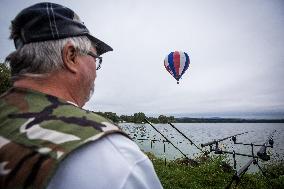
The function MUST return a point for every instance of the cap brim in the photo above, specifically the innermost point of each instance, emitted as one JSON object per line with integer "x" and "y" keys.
{"x": 101, "y": 46}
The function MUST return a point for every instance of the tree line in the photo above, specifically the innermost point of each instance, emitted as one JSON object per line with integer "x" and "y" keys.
{"x": 136, "y": 118}
{"x": 140, "y": 118}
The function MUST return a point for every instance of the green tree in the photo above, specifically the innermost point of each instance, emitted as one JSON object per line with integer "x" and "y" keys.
{"x": 139, "y": 117}
{"x": 109, "y": 115}
{"x": 171, "y": 119}
{"x": 126, "y": 118}
{"x": 153, "y": 120}
{"x": 5, "y": 78}
{"x": 112, "y": 116}
{"x": 163, "y": 119}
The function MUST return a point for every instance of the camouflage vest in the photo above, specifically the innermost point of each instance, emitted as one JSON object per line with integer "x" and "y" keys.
{"x": 37, "y": 131}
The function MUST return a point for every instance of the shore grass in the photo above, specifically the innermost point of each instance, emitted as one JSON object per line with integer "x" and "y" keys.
{"x": 214, "y": 172}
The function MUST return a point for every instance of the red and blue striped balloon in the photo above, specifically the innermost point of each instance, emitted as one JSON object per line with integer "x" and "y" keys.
{"x": 177, "y": 63}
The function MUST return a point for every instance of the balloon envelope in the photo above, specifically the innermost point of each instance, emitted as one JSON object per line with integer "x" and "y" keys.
{"x": 176, "y": 63}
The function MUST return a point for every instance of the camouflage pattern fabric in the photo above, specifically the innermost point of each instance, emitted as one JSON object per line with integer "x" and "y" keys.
{"x": 37, "y": 131}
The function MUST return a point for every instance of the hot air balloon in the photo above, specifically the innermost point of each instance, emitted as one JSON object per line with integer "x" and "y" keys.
{"x": 176, "y": 64}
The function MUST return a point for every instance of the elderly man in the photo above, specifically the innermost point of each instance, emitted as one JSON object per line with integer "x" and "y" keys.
{"x": 46, "y": 139}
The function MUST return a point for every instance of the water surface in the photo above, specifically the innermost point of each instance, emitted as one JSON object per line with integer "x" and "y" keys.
{"x": 200, "y": 133}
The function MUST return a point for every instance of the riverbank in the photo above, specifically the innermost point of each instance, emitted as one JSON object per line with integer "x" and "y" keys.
{"x": 214, "y": 172}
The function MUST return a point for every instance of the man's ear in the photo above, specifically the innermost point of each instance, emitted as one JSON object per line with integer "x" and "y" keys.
{"x": 69, "y": 57}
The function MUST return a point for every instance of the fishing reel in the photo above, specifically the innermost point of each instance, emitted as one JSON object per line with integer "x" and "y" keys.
{"x": 262, "y": 154}
{"x": 216, "y": 149}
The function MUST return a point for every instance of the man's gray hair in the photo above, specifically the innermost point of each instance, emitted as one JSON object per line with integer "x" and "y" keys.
{"x": 43, "y": 57}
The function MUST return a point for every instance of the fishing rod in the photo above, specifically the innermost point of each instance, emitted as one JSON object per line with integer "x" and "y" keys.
{"x": 254, "y": 160}
{"x": 237, "y": 176}
{"x": 261, "y": 154}
{"x": 166, "y": 138}
{"x": 262, "y": 151}
{"x": 219, "y": 140}
{"x": 191, "y": 142}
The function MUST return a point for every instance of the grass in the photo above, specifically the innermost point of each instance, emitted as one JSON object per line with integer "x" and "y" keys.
{"x": 214, "y": 172}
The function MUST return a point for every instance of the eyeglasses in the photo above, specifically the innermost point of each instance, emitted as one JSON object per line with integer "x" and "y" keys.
{"x": 98, "y": 59}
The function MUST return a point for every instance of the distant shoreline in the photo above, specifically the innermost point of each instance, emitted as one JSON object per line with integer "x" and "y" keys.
{"x": 226, "y": 120}
{"x": 140, "y": 118}
{"x": 217, "y": 120}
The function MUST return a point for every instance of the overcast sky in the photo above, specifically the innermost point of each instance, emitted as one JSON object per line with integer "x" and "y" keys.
{"x": 236, "y": 49}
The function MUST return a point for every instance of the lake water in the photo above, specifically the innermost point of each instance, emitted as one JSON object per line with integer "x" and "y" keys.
{"x": 200, "y": 133}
